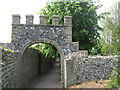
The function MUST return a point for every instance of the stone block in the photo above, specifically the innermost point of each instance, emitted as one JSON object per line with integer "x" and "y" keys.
{"x": 29, "y": 19}
{"x": 76, "y": 46}
{"x": 55, "y": 20}
{"x": 68, "y": 31}
{"x": 68, "y": 20}
{"x": 16, "y": 19}
{"x": 84, "y": 53}
{"x": 43, "y": 19}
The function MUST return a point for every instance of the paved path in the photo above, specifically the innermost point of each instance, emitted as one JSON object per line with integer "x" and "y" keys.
{"x": 48, "y": 80}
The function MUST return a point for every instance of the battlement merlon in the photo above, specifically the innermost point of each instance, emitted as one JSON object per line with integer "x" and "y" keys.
{"x": 29, "y": 19}
{"x": 55, "y": 20}
{"x": 68, "y": 20}
{"x": 42, "y": 20}
{"x": 16, "y": 19}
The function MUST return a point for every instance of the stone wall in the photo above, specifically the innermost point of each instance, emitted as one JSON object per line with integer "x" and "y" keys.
{"x": 29, "y": 33}
{"x": 90, "y": 68}
{"x": 31, "y": 65}
{"x": 0, "y": 65}
{"x": 45, "y": 63}
{"x": 81, "y": 69}
{"x": 24, "y": 35}
{"x": 8, "y": 69}
{"x": 20, "y": 68}
{"x": 19, "y": 72}
{"x": 29, "y": 68}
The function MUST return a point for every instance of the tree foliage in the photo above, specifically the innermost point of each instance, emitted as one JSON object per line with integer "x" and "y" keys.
{"x": 115, "y": 75}
{"x": 85, "y": 20}
{"x": 110, "y": 39}
{"x": 48, "y": 50}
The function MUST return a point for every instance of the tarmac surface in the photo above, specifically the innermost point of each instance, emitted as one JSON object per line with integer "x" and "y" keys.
{"x": 51, "y": 79}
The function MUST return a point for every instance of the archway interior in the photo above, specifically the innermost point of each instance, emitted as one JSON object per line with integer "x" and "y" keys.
{"x": 41, "y": 67}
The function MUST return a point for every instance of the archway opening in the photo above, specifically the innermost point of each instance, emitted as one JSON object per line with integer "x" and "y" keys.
{"x": 42, "y": 66}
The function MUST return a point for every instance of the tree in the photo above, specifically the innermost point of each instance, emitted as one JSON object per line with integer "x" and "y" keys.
{"x": 85, "y": 20}
{"x": 47, "y": 49}
{"x": 111, "y": 33}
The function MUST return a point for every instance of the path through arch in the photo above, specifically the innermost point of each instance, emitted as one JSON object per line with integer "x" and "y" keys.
{"x": 49, "y": 68}
{"x": 48, "y": 80}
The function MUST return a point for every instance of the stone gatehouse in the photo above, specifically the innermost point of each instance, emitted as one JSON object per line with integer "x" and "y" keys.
{"x": 76, "y": 66}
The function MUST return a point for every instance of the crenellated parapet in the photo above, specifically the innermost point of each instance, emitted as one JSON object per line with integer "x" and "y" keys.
{"x": 29, "y": 30}
{"x": 42, "y": 20}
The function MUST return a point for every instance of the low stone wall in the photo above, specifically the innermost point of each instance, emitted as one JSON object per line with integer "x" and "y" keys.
{"x": 31, "y": 65}
{"x": 45, "y": 63}
{"x": 90, "y": 68}
{"x": 81, "y": 69}
{"x": 28, "y": 66}
{"x": 19, "y": 72}
{"x": 0, "y": 65}
{"x": 8, "y": 69}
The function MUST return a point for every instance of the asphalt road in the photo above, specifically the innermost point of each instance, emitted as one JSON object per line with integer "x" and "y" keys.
{"x": 48, "y": 80}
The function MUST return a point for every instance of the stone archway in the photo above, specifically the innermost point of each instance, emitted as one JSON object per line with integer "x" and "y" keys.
{"x": 23, "y": 35}
{"x": 56, "y": 45}
{"x": 47, "y": 41}
{"x": 74, "y": 61}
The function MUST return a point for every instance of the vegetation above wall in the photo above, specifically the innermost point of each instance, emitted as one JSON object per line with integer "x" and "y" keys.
{"x": 110, "y": 35}
{"x": 9, "y": 50}
{"x": 85, "y": 26}
{"x": 115, "y": 76}
{"x": 48, "y": 50}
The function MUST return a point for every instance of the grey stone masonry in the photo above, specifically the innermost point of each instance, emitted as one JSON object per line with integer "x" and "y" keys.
{"x": 1, "y": 46}
{"x": 8, "y": 69}
{"x": 42, "y": 19}
{"x": 20, "y": 64}
{"x": 81, "y": 68}
{"x": 16, "y": 19}
{"x": 55, "y": 20}
{"x": 29, "y": 19}
{"x": 30, "y": 62}
{"x": 15, "y": 73}
{"x": 31, "y": 33}
{"x": 68, "y": 20}
{"x": 60, "y": 36}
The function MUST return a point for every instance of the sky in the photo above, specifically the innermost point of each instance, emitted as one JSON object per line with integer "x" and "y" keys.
{"x": 23, "y": 7}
